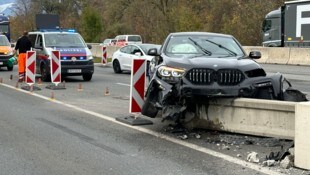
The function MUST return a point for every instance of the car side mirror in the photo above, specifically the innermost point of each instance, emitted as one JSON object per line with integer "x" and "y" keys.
{"x": 153, "y": 52}
{"x": 255, "y": 55}
{"x": 138, "y": 54}
{"x": 89, "y": 46}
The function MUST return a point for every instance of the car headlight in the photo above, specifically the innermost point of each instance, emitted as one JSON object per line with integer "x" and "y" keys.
{"x": 165, "y": 71}
{"x": 10, "y": 53}
{"x": 90, "y": 57}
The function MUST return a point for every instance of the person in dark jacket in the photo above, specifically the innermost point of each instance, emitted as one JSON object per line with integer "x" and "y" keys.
{"x": 23, "y": 45}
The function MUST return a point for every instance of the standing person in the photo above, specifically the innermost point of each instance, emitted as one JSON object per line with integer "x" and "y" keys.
{"x": 23, "y": 45}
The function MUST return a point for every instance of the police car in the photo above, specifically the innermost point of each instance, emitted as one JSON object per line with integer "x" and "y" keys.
{"x": 76, "y": 57}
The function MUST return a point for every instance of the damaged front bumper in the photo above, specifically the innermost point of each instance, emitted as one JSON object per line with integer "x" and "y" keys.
{"x": 175, "y": 96}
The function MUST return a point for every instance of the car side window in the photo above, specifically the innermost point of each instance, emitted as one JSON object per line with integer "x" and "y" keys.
{"x": 126, "y": 49}
{"x": 135, "y": 50}
{"x": 39, "y": 42}
{"x": 32, "y": 39}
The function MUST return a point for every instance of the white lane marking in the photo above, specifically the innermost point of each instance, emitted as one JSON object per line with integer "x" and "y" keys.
{"x": 159, "y": 135}
{"x": 123, "y": 84}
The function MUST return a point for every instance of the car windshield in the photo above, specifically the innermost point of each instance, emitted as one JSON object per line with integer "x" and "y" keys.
{"x": 147, "y": 47}
{"x": 207, "y": 45}
{"x": 64, "y": 40}
{"x": 134, "y": 38}
{"x": 107, "y": 41}
{"x": 4, "y": 41}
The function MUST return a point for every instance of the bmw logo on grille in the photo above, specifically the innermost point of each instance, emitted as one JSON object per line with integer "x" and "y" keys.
{"x": 215, "y": 65}
{"x": 73, "y": 58}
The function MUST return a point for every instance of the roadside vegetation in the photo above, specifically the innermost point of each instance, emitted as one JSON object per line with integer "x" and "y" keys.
{"x": 152, "y": 19}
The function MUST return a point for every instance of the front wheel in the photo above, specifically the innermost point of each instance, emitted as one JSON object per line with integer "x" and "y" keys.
{"x": 149, "y": 107}
{"x": 117, "y": 67}
{"x": 45, "y": 75}
{"x": 87, "y": 77}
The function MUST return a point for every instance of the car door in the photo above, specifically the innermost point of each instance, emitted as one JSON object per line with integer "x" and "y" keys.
{"x": 125, "y": 57}
{"x": 135, "y": 53}
{"x": 33, "y": 39}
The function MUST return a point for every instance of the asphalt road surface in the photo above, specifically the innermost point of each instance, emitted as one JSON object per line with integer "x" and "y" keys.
{"x": 74, "y": 131}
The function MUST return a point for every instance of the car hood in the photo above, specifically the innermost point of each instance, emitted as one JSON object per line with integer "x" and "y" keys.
{"x": 5, "y": 49}
{"x": 212, "y": 63}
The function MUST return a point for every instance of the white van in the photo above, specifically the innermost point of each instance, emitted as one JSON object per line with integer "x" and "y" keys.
{"x": 123, "y": 40}
{"x": 76, "y": 58}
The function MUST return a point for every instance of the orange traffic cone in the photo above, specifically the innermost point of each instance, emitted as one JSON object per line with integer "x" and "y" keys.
{"x": 31, "y": 88}
{"x": 39, "y": 82}
{"x": 107, "y": 92}
{"x": 80, "y": 88}
{"x": 52, "y": 96}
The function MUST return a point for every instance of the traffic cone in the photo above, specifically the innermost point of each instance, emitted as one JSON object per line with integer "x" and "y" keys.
{"x": 107, "y": 92}
{"x": 80, "y": 88}
{"x": 39, "y": 81}
{"x": 31, "y": 88}
{"x": 52, "y": 96}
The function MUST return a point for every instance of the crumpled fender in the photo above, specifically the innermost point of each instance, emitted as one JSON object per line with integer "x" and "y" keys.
{"x": 277, "y": 83}
{"x": 162, "y": 86}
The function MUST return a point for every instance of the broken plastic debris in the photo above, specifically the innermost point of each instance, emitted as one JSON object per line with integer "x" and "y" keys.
{"x": 197, "y": 136}
{"x": 183, "y": 137}
{"x": 252, "y": 157}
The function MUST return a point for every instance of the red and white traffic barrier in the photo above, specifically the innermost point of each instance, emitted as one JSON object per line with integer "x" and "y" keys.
{"x": 30, "y": 67}
{"x": 137, "y": 85}
{"x": 104, "y": 55}
{"x": 56, "y": 67}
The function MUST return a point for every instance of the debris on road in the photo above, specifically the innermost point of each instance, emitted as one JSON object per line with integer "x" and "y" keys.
{"x": 253, "y": 157}
{"x": 287, "y": 162}
{"x": 183, "y": 137}
{"x": 269, "y": 163}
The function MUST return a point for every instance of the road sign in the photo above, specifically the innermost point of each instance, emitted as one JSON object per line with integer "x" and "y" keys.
{"x": 137, "y": 85}
{"x": 30, "y": 67}
{"x": 56, "y": 67}
{"x": 104, "y": 55}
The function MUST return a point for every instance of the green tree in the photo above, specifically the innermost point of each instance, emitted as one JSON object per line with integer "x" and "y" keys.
{"x": 91, "y": 26}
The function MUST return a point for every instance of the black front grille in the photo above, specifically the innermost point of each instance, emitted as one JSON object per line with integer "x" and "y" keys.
{"x": 224, "y": 77}
{"x": 74, "y": 62}
{"x": 200, "y": 76}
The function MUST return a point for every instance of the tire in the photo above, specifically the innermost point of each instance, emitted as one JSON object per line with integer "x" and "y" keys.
{"x": 148, "y": 108}
{"x": 117, "y": 67}
{"x": 87, "y": 77}
{"x": 10, "y": 68}
{"x": 45, "y": 75}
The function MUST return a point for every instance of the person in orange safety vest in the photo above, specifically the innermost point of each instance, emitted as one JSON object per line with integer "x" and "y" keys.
{"x": 23, "y": 45}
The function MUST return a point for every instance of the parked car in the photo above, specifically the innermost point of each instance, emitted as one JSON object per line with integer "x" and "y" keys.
{"x": 108, "y": 42}
{"x": 192, "y": 67}
{"x": 6, "y": 53}
{"x": 123, "y": 40}
{"x": 122, "y": 58}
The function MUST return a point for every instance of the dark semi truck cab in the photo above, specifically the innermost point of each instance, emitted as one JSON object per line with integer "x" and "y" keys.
{"x": 288, "y": 26}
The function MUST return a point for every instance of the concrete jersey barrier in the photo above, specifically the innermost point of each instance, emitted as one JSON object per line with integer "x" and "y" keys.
{"x": 248, "y": 116}
{"x": 97, "y": 50}
{"x": 282, "y": 55}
